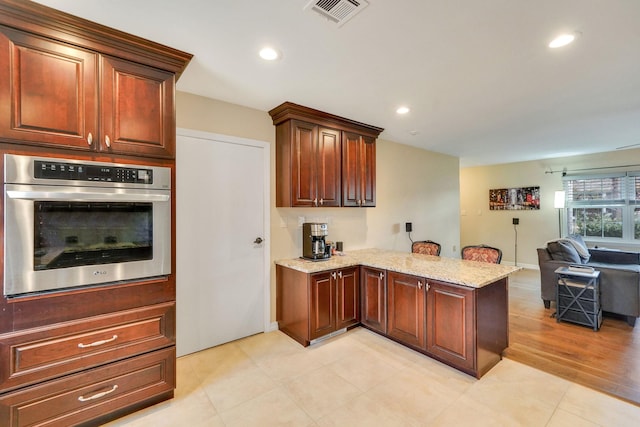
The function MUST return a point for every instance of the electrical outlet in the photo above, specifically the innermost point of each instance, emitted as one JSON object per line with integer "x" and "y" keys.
{"x": 408, "y": 227}
{"x": 516, "y": 221}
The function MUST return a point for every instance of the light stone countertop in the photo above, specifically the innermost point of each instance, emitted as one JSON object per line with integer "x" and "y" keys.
{"x": 467, "y": 273}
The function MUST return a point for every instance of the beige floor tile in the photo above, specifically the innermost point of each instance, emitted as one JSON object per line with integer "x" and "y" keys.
{"x": 513, "y": 379}
{"x": 219, "y": 362}
{"x": 599, "y": 408}
{"x": 562, "y": 418}
{"x": 415, "y": 394}
{"x": 288, "y": 365}
{"x": 268, "y": 345}
{"x": 366, "y": 412}
{"x": 194, "y": 409}
{"x": 320, "y": 392}
{"x": 516, "y": 403}
{"x": 465, "y": 412}
{"x": 275, "y": 408}
{"x": 364, "y": 369}
{"x": 360, "y": 378}
{"x": 231, "y": 391}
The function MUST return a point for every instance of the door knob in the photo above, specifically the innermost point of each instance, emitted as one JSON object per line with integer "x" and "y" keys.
{"x": 258, "y": 240}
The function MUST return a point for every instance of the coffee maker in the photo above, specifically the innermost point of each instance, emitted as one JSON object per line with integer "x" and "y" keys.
{"x": 314, "y": 246}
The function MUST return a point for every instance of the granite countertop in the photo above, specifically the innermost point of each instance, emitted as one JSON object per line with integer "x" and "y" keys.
{"x": 467, "y": 273}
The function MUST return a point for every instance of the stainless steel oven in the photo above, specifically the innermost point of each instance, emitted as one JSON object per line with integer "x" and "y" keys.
{"x": 75, "y": 223}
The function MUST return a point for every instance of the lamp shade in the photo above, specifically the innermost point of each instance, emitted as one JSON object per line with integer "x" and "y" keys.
{"x": 558, "y": 200}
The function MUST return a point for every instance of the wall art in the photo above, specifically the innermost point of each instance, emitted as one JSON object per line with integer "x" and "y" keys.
{"x": 523, "y": 198}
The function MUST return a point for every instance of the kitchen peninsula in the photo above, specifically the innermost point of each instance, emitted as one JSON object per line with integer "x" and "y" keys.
{"x": 453, "y": 310}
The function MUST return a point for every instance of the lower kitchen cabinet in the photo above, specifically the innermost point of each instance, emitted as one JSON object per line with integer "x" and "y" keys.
{"x": 347, "y": 297}
{"x": 310, "y": 306}
{"x": 39, "y": 354}
{"x": 116, "y": 388}
{"x": 373, "y": 295}
{"x": 451, "y": 323}
{"x": 406, "y": 308}
{"x": 464, "y": 327}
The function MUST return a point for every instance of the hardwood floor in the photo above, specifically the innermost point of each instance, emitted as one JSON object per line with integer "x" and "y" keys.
{"x": 607, "y": 360}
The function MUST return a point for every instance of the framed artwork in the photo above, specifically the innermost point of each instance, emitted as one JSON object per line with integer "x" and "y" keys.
{"x": 523, "y": 198}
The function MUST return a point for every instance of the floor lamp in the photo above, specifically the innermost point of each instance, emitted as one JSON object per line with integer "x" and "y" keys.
{"x": 558, "y": 203}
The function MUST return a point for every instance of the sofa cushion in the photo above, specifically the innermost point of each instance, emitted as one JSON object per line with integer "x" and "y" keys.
{"x": 563, "y": 250}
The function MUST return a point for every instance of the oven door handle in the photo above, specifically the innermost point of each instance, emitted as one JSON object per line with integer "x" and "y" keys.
{"x": 72, "y": 196}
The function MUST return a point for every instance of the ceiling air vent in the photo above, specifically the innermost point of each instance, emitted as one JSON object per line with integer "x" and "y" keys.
{"x": 338, "y": 11}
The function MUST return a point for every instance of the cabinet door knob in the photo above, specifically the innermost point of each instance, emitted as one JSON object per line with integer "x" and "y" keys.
{"x": 107, "y": 141}
{"x": 419, "y": 284}
{"x": 321, "y": 202}
{"x": 340, "y": 274}
{"x": 315, "y": 202}
{"x": 333, "y": 275}
{"x": 89, "y": 139}
{"x": 381, "y": 276}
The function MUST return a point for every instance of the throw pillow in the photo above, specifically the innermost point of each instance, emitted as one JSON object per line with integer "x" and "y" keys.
{"x": 580, "y": 246}
{"x": 563, "y": 250}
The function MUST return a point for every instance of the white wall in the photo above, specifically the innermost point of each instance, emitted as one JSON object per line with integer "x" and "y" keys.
{"x": 413, "y": 185}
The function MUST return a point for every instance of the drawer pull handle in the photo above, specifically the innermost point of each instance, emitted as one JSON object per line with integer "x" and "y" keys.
{"x": 97, "y": 343}
{"x": 98, "y": 395}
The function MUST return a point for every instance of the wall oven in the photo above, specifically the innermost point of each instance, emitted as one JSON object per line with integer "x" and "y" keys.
{"x": 71, "y": 223}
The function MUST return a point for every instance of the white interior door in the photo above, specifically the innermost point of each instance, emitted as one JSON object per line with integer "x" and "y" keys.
{"x": 221, "y": 239}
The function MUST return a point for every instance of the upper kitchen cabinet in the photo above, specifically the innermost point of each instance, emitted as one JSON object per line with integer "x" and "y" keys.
{"x": 358, "y": 170}
{"x": 323, "y": 160}
{"x": 78, "y": 85}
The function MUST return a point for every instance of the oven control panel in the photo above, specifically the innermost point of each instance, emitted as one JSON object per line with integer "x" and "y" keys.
{"x": 91, "y": 172}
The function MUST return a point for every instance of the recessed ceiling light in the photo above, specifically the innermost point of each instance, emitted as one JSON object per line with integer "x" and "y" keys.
{"x": 269, "y": 54}
{"x": 402, "y": 110}
{"x": 562, "y": 40}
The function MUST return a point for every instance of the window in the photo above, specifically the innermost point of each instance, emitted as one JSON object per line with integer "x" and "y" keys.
{"x": 604, "y": 207}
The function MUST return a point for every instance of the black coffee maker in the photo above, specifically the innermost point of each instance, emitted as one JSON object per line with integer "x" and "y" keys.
{"x": 314, "y": 246}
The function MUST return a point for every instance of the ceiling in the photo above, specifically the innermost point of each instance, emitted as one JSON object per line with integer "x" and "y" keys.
{"x": 478, "y": 76}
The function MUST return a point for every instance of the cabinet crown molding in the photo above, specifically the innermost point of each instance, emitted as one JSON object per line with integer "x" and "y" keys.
{"x": 289, "y": 110}
{"x": 51, "y": 23}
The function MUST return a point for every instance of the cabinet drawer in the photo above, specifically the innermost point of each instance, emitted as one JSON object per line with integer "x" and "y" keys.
{"x": 43, "y": 353}
{"x": 91, "y": 394}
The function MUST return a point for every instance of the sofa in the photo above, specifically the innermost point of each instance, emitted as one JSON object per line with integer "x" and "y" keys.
{"x": 619, "y": 274}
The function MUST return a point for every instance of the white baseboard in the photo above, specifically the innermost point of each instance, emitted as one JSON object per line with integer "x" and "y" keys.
{"x": 527, "y": 266}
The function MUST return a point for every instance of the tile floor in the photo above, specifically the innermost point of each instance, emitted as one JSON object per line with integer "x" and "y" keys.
{"x": 362, "y": 379}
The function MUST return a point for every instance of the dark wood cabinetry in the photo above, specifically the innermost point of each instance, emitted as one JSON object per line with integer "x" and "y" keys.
{"x": 451, "y": 323}
{"x": 68, "y": 83}
{"x": 49, "y": 91}
{"x": 315, "y": 165}
{"x": 137, "y": 106}
{"x": 90, "y": 395}
{"x": 358, "y": 170}
{"x": 464, "y": 327}
{"x": 323, "y": 160}
{"x": 373, "y": 296}
{"x": 406, "y": 307}
{"x": 310, "y": 306}
{"x": 72, "y": 88}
